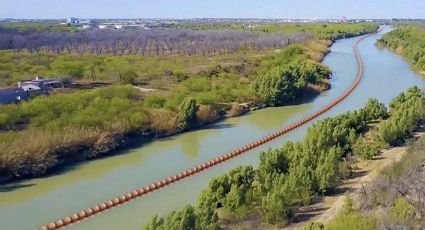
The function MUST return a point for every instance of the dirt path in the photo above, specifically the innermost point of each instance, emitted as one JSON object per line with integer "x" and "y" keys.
{"x": 326, "y": 209}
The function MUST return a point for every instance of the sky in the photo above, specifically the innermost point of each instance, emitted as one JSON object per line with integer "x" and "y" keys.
{"x": 309, "y": 9}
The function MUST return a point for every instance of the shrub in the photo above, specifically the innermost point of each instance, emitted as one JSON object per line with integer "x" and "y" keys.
{"x": 236, "y": 110}
{"x": 187, "y": 113}
{"x": 206, "y": 114}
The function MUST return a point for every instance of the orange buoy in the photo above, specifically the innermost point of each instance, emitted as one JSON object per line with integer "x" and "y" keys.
{"x": 51, "y": 226}
{"x": 89, "y": 212}
{"x": 116, "y": 201}
{"x": 59, "y": 223}
{"x": 152, "y": 186}
{"x": 147, "y": 189}
{"x": 103, "y": 206}
{"x": 82, "y": 214}
{"x": 43, "y": 228}
{"x": 74, "y": 217}
{"x": 135, "y": 193}
{"x": 158, "y": 184}
{"x": 179, "y": 176}
{"x": 184, "y": 173}
{"x": 122, "y": 199}
{"x": 141, "y": 191}
{"x": 96, "y": 209}
{"x": 198, "y": 168}
{"x": 67, "y": 220}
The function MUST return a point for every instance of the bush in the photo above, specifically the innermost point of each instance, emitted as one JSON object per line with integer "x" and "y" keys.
{"x": 187, "y": 113}
{"x": 236, "y": 110}
{"x": 129, "y": 77}
{"x": 367, "y": 149}
{"x": 375, "y": 110}
{"x": 206, "y": 114}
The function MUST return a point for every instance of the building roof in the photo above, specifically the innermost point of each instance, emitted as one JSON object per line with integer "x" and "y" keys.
{"x": 10, "y": 90}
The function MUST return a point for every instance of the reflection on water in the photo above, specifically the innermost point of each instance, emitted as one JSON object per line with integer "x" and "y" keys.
{"x": 274, "y": 118}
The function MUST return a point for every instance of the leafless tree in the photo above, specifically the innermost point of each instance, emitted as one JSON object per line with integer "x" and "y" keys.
{"x": 144, "y": 42}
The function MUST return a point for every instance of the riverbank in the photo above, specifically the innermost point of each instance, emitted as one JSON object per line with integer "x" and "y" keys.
{"x": 365, "y": 172}
{"x": 289, "y": 178}
{"x": 78, "y": 186}
{"x": 62, "y": 152}
{"x": 218, "y": 160}
{"x": 409, "y": 42}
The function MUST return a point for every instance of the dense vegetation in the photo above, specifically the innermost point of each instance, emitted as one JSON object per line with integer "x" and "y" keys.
{"x": 90, "y": 123}
{"x": 291, "y": 176}
{"x": 44, "y": 132}
{"x": 408, "y": 41}
{"x": 101, "y": 48}
{"x": 38, "y": 26}
{"x": 394, "y": 200}
{"x": 144, "y": 42}
{"x": 190, "y": 91}
{"x": 321, "y": 30}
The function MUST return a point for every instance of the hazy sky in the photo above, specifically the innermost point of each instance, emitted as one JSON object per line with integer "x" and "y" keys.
{"x": 212, "y": 8}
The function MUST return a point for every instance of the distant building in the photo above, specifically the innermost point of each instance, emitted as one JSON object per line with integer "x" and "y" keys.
{"x": 39, "y": 83}
{"x": 72, "y": 21}
{"x": 29, "y": 89}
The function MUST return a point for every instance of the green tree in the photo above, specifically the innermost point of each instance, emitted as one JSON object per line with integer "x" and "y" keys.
{"x": 275, "y": 208}
{"x": 374, "y": 110}
{"x": 184, "y": 219}
{"x": 275, "y": 87}
{"x": 129, "y": 77}
{"x": 188, "y": 109}
{"x": 155, "y": 223}
{"x": 327, "y": 171}
{"x": 403, "y": 212}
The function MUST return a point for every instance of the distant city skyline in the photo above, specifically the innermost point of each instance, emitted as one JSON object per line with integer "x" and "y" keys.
{"x": 294, "y": 9}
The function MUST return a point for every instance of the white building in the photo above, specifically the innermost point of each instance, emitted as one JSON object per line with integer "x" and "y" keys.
{"x": 72, "y": 21}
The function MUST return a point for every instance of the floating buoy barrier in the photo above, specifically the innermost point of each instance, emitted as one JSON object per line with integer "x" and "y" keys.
{"x": 205, "y": 165}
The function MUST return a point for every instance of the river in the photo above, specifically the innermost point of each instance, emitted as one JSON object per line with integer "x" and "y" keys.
{"x": 32, "y": 203}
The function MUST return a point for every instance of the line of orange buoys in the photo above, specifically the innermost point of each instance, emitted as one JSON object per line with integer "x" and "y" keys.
{"x": 77, "y": 217}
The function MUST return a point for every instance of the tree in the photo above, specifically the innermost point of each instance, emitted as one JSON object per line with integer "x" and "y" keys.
{"x": 128, "y": 77}
{"x": 403, "y": 212}
{"x": 188, "y": 109}
{"x": 184, "y": 219}
{"x": 275, "y": 87}
{"x": 155, "y": 223}
{"x": 374, "y": 110}
{"x": 235, "y": 198}
{"x": 327, "y": 171}
{"x": 274, "y": 208}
